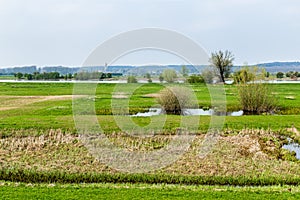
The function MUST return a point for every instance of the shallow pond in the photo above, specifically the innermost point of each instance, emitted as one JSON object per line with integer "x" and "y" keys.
{"x": 292, "y": 146}
{"x": 188, "y": 112}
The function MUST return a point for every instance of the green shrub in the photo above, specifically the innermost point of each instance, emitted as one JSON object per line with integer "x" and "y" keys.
{"x": 169, "y": 75}
{"x": 131, "y": 79}
{"x": 256, "y": 98}
{"x": 195, "y": 79}
{"x": 243, "y": 76}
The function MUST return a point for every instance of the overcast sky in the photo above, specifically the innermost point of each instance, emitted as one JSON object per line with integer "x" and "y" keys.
{"x": 64, "y": 32}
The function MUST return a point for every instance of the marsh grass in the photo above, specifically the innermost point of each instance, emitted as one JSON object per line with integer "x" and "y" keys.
{"x": 242, "y": 157}
{"x": 141, "y": 144}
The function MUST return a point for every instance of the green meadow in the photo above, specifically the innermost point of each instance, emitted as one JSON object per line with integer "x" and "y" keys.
{"x": 142, "y": 191}
{"x": 49, "y": 105}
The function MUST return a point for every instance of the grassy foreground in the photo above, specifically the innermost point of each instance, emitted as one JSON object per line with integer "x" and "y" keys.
{"x": 10, "y": 190}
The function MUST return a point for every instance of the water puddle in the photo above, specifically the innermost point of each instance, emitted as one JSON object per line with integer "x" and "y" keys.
{"x": 210, "y": 112}
{"x": 189, "y": 112}
{"x": 151, "y": 112}
{"x": 293, "y": 146}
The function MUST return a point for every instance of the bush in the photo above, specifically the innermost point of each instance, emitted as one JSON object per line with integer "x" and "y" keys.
{"x": 244, "y": 75}
{"x": 174, "y": 99}
{"x": 131, "y": 79}
{"x": 169, "y": 75}
{"x": 195, "y": 79}
{"x": 256, "y": 98}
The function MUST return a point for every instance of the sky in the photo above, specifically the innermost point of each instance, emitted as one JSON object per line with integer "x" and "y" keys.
{"x": 65, "y": 32}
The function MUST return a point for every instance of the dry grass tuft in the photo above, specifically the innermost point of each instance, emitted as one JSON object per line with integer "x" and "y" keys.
{"x": 141, "y": 144}
{"x": 30, "y": 143}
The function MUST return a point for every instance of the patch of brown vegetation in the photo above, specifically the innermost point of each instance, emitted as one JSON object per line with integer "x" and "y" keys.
{"x": 243, "y": 153}
{"x": 14, "y": 102}
{"x": 239, "y": 153}
{"x": 140, "y": 144}
{"x": 52, "y": 151}
{"x": 247, "y": 146}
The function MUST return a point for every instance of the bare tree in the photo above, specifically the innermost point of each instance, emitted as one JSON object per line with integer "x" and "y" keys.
{"x": 222, "y": 61}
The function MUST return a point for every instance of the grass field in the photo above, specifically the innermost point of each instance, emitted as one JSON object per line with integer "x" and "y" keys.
{"x": 7, "y": 77}
{"x": 39, "y": 143}
{"x": 142, "y": 191}
{"x": 49, "y": 105}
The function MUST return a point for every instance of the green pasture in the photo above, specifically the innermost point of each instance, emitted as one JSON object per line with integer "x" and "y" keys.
{"x": 7, "y": 77}
{"x": 142, "y": 191}
{"x": 25, "y": 106}
{"x": 288, "y": 94}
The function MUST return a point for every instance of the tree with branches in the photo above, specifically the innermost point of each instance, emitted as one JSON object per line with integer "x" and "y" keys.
{"x": 222, "y": 61}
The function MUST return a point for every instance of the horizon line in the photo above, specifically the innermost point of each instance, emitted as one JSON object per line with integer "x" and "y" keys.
{"x": 147, "y": 64}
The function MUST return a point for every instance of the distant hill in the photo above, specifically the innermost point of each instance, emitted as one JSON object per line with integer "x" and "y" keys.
{"x": 280, "y": 66}
{"x": 158, "y": 69}
{"x": 12, "y": 70}
{"x": 271, "y": 67}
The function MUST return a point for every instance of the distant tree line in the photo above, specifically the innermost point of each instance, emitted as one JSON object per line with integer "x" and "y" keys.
{"x": 56, "y": 76}
{"x": 92, "y": 75}
{"x": 41, "y": 76}
{"x": 290, "y": 74}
